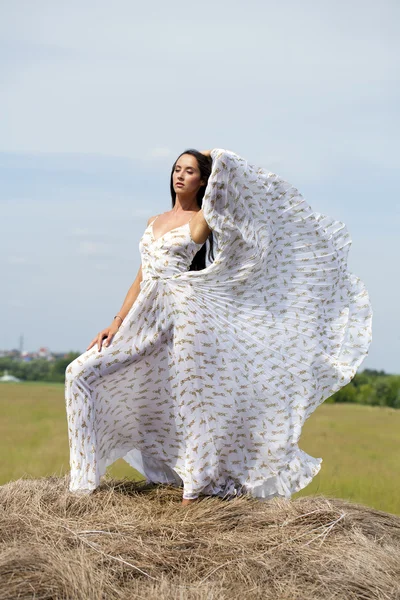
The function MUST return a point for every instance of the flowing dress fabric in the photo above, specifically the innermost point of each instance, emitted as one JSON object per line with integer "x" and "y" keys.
{"x": 210, "y": 378}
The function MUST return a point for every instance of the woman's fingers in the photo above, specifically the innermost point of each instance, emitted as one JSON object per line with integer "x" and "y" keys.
{"x": 92, "y": 343}
{"x": 109, "y": 338}
{"x": 100, "y": 340}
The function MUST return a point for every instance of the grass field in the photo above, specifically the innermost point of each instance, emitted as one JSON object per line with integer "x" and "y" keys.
{"x": 359, "y": 445}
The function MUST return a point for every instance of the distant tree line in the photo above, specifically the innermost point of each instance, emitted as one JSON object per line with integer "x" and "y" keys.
{"x": 37, "y": 369}
{"x": 375, "y": 388}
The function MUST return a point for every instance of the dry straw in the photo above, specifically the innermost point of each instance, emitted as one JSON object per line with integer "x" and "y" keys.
{"x": 128, "y": 541}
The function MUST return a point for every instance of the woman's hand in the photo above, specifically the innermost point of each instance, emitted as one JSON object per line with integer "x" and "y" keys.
{"x": 107, "y": 333}
{"x": 206, "y": 152}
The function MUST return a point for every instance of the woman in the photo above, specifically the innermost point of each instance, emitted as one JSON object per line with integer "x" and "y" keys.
{"x": 213, "y": 363}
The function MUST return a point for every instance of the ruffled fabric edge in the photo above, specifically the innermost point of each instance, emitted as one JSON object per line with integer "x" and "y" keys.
{"x": 296, "y": 475}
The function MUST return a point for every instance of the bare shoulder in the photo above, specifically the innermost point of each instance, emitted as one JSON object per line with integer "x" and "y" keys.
{"x": 151, "y": 219}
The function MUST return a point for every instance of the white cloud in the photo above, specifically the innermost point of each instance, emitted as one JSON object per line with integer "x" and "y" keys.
{"x": 18, "y": 260}
{"x": 89, "y": 249}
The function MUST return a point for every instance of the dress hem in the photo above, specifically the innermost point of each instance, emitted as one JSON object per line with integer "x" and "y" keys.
{"x": 295, "y": 476}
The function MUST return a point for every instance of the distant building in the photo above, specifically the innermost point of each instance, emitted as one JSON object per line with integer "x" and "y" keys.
{"x": 7, "y": 377}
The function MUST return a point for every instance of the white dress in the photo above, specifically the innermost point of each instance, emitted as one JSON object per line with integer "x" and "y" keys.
{"x": 212, "y": 374}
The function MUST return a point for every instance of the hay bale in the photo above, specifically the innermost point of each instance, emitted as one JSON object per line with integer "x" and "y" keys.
{"x": 129, "y": 541}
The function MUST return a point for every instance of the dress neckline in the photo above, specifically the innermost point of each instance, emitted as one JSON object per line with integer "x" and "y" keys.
{"x": 170, "y": 230}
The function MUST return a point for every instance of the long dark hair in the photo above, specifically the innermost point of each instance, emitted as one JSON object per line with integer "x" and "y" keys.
{"x": 205, "y": 166}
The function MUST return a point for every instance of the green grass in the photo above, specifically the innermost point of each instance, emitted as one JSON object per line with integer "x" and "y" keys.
{"x": 359, "y": 445}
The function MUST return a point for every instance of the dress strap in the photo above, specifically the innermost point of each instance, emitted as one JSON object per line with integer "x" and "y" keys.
{"x": 159, "y": 215}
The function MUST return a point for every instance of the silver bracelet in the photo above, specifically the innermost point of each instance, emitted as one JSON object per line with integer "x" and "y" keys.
{"x": 119, "y": 318}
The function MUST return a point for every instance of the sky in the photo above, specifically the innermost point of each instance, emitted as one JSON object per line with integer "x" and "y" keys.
{"x": 97, "y": 99}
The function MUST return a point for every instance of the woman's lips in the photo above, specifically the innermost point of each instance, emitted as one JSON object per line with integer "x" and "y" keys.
{"x": 181, "y": 184}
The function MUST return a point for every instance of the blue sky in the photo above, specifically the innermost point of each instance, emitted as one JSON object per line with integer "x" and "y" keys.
{"x": 98, "y": 98}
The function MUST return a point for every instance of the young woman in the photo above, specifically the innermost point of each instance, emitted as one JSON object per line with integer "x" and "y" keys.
{"x": 243, "y": 318}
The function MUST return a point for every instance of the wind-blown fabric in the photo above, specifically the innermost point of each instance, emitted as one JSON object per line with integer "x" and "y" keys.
{"x": 210, "y": 378}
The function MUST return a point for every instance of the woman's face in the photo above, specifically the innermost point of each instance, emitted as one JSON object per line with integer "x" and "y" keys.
{"x": 187, "y": 172}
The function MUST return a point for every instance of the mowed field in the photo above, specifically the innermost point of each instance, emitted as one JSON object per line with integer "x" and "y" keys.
{"x": 359, "y": 445}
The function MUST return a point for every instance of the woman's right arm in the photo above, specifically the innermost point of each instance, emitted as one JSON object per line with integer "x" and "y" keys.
{"x": 130, "y": 298}
{"x": 108, "y": 333}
